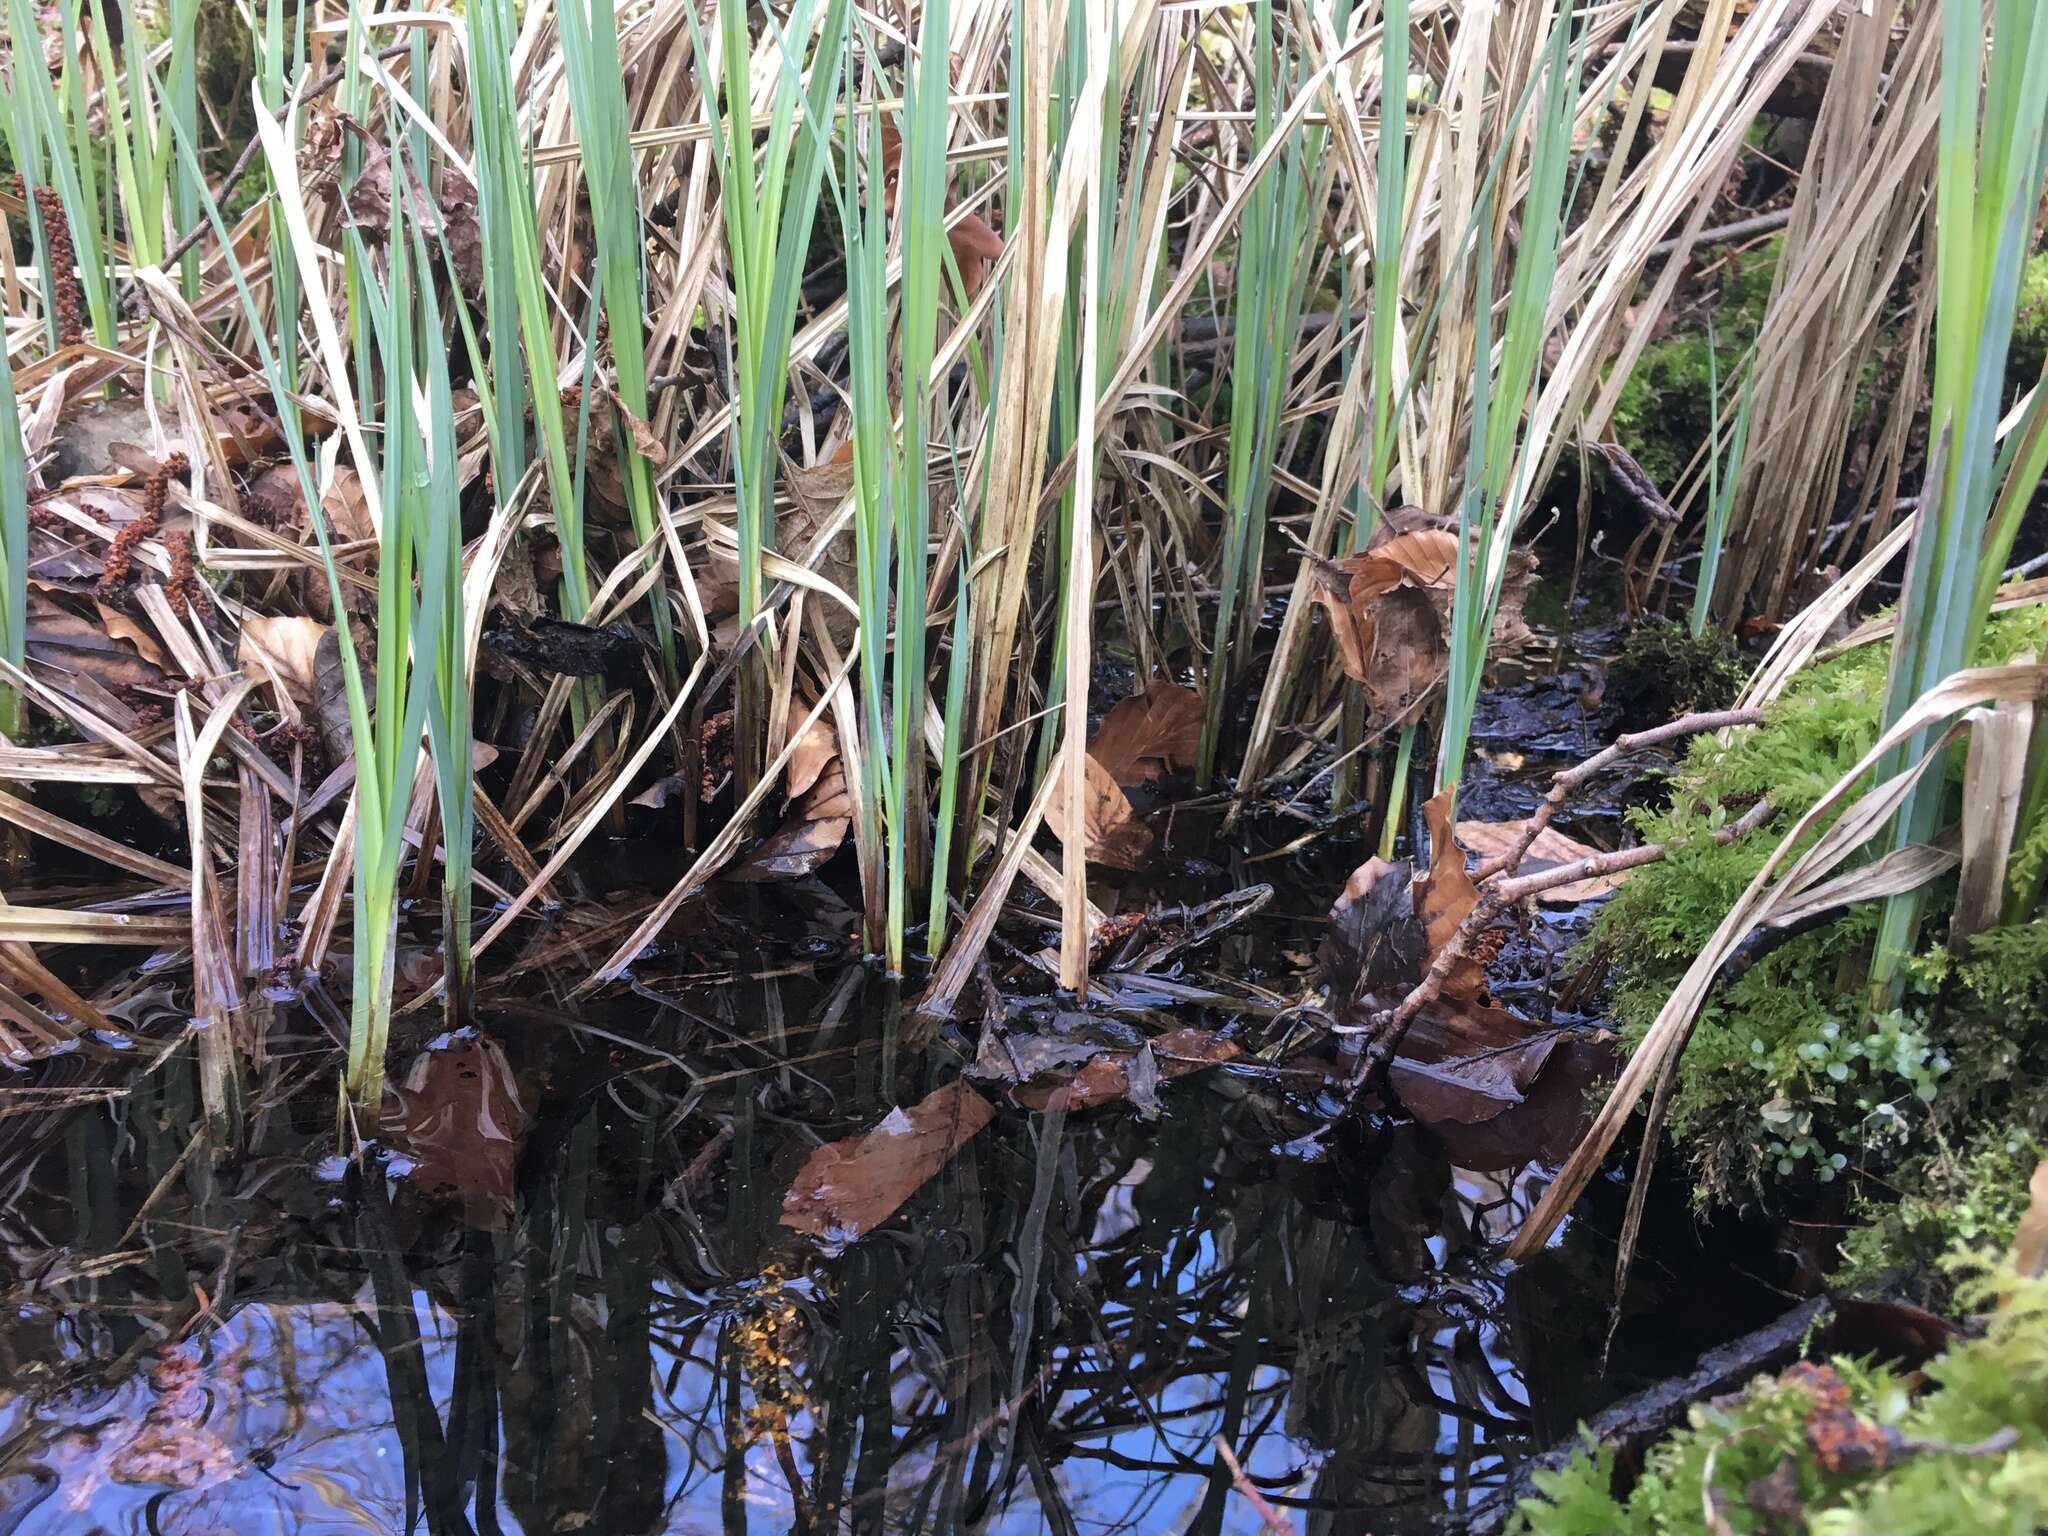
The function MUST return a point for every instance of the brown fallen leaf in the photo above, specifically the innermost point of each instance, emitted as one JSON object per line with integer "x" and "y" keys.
{"x": 1374, "y": 942}
{"x": 1444, "y": 898}
{"x": 975, "y": 245}
{"x": 847, "y": 1188}
{"x": 1116, "y": 836}
{"x": 1108, "y": 1078}
{"x": 1490, "y": 839}
{"x": 461, "y": 1119}
{"x": 1390, "y": 610}
{"x": 347, "y": 506}
{"x": 810, "y": 834}
{"x": 120, "y": 627}
{"x": 286, "y": 647}
{"x": 645, "y": 442}
{"x": 816, "y": 750}
{"x": 65, "y": 641}
{"x": 1496, "y": 1089}
{"x": 1144, "y": 738}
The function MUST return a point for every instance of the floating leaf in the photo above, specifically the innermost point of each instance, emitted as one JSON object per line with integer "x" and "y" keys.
{"x": 848, "y": 1188}
{"x": 1109, "y": 1077}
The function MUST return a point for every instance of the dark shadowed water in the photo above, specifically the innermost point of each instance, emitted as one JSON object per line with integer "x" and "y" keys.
{"x": 561, "y": 1299}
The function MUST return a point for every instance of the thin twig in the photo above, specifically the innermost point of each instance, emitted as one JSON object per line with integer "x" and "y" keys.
{"x": 1570, "y": 780}
{"x": 1388, "y": 1027}
{"x": 247, "y": 157}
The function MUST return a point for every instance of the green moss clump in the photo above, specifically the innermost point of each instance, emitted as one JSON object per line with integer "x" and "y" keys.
{"x": 1785, "y": 1076}
{"x": 1666, "y": 409}
{"x": 1970, "y": 1453}
{"x": 1972, "y": 1194}
{"x": 1665, "y": 671}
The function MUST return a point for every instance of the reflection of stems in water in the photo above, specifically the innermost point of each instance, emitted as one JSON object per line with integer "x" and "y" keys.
{"x": 1030, "y": 1249}
{"x": 1244, "y": 1360}
{"x": 430, "y": 1478}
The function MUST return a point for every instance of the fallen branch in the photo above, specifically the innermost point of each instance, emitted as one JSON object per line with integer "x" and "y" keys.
{"x": 1569, "y": 780}
{"x": 1741, "y": 229}
{"x": 1389, "y": 1026}
{"x": 1636, "y": 1421}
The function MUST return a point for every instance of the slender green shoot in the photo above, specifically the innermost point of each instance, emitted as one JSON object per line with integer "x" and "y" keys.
{"x": 1723, "y": 481}
{"x": 1501, "y": 389}
{"x": 1988, "y": 177}
{"x": 768, "y": 215}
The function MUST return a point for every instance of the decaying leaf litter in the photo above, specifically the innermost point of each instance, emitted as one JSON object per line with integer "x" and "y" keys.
{"x": 541, "y": 492}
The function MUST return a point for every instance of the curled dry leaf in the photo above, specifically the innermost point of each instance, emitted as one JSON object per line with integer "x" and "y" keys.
{"x": 1390, "y": 612}
{"x": 1490, "y": 839}
{"x": 848, "y": 1188}
{"x": 1116, "y": 837}
{"x": 975, "y": 245}
{"x": 287, "y": 649}
{"x": 1113, "y": 1075}
{"x": 1444, "y": 898}
{"x": 1144, "y": 738}
{"x": 645, "y": 443}
{"x": 810, "y": 834}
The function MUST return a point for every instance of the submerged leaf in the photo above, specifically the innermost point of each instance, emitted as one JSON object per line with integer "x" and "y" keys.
{"x": 847, "y": 1188}
{"x": 1374, "y": 943}
{"x": 1116, "y": 837}
{"x": 1144, "y": 738}
{"x": 1498, "y": 1090}
{"x": 461, "y": 1119}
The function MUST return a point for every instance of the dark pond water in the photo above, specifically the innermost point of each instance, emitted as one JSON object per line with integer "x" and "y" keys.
{"x": 562, "y": 1299}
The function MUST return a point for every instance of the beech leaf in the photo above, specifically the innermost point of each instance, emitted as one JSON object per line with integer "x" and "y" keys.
{"x": 847, "y": 1188}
